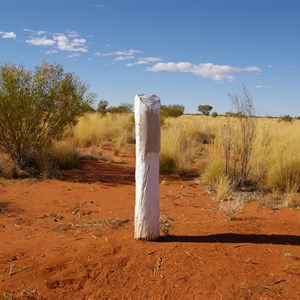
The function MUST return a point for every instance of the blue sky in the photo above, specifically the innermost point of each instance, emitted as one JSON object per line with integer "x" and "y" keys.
{"x": 186, "y": 52}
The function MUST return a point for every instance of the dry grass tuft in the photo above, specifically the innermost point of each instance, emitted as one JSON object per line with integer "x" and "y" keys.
{"x": 165, "y": 224}
{"x": 231, "y": 208}
{"x": 224, "y": 188}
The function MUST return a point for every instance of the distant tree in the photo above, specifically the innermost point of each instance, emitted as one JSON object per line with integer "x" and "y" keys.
{"x": 102, "y": 106}
{"x": 174, "y": 110}
{"x": 286, "y": 118}
{"x": 205, "y": 109}
{"x": 122, "y": 108}
{"x": 35, "y": 108}
{"x": 234, "y": 114}
{"x": 214, "y": 114}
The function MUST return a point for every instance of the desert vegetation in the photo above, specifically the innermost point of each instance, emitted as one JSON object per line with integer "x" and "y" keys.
{"x": 46, "y": 119}
{"x": 35, "y": 108}
{"x": 228, "y": 152}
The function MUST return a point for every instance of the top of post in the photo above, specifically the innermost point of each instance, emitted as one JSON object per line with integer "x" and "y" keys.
{"x": 150, "y": 101}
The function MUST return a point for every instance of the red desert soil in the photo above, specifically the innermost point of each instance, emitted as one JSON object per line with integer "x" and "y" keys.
{"x": 73, "y": 239}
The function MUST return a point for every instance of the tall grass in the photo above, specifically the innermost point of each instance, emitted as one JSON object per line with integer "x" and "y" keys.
{"x": 190, "y": 142}
{"x": 95, "y": 128}
{"x": 181, "y": 143}
{"x": 275, "y": 158}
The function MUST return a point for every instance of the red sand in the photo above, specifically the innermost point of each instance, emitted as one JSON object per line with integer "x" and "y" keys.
{"x": 54, "y": 240}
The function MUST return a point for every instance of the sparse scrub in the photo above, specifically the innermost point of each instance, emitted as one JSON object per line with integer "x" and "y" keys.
{"x": 235, "y": 140}
{"x": 231, "y": 208}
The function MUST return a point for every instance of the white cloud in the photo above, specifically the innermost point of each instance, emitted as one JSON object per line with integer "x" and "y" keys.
{"x": 144, "y": 61}
{"x": 78, "y": 42}
{"x": 75, "y": 45}
{"x": 208, "y": 70}
{"x": 262, "y": 86}
{"x": 40, "y": 41}
{"x": 270, "y": 66}
{"x": 69, "y": 41}
{"x": 8, "y": 35}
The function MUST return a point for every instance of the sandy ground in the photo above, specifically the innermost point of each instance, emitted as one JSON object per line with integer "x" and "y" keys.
{"x": 73, "y": 239}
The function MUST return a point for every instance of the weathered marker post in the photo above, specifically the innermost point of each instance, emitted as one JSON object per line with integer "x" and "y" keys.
{"x": 147, "y": 124}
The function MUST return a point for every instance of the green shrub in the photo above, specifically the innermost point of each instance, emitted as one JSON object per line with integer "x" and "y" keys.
{"x": 35, "y": 108}
{"x": 123, "y": 108}
{"x": 174, "y": 110}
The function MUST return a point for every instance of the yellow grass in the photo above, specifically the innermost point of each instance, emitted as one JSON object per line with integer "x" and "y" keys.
{"x": 94, "y": 128}
{"x": 198, "y": 141}
{"x": 180, "y": 145}
{"x": 275, "y": 158}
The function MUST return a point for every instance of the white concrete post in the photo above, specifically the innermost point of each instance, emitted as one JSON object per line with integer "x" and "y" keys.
{"x": 147, "y": 124}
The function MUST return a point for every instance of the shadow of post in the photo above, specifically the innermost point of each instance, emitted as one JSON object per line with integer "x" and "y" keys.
{"x": 228, "y": 238}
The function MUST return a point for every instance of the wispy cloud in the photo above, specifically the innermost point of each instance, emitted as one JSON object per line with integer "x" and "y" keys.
{"x": 69, "y": 41}
{"x": 123, "y": 58}
{"x": 144, "y": 61}
{"x": 119, "y": 56}
{"x": 207, "y": 70}
{"x": 99, "y": 6}
{"x": 51, "y": 51}
{"x": 73, "y": 55}
{"x": 130, "y": 52}
{"x": 8, "y": 35}
{"x": 263, "y": 86}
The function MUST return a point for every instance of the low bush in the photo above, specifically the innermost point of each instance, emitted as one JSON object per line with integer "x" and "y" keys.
{"x": 35, "y": 107}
